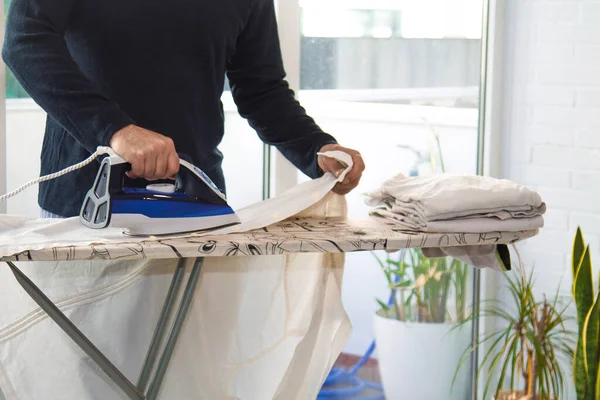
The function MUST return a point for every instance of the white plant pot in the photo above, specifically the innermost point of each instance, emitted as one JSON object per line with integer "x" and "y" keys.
{"x": 419, "y": 360}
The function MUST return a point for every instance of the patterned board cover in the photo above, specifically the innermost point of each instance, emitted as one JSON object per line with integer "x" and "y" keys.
{"x": 298, "y": 235}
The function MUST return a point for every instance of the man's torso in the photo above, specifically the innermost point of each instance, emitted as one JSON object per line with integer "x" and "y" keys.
{"x": 164, "y": 63}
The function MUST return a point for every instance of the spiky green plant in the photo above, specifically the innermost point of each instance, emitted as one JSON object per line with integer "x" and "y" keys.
{"x": 586, "y": 359}
{"x": 527, "y": 350}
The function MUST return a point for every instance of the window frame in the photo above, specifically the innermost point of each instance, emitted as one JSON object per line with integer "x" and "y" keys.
{"x": 279, "y": 174}
{"x": 3, "y": 154}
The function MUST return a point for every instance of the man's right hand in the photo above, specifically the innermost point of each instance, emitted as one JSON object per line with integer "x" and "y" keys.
{"x": 152, "y": 156}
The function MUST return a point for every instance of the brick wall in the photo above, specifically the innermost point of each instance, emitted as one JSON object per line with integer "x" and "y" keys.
{"x": 551, "y": 129}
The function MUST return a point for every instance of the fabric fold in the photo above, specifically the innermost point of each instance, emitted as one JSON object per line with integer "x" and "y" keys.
{"x": 451, "y": 202}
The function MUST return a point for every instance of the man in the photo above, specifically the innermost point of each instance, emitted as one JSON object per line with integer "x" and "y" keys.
{"x": 145, "y": 77}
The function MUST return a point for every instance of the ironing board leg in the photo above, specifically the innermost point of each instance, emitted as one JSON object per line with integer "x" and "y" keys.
{"x": 78, "y": 337}
{"x": 161, "y": 326}
{"x": 179, "y": 320}
{"x": 96, "y": 355}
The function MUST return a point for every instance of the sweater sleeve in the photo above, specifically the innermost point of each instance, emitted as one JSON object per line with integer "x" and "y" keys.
{"x": 35, "y": 51}
{"x": 263, "y": 97}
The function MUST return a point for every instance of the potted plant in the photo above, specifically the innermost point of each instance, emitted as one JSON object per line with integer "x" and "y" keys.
{"x": 414, "y": 334}
{"x": 523, "y": 357}
{"x": 586, "y": 359}
{"x": 414, "y": 331}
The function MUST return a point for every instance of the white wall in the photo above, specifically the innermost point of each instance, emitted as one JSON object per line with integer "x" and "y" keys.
{"x": 24, "y": 133}
{"x": 551, "y": 137}
{"x": 550, "y": 133}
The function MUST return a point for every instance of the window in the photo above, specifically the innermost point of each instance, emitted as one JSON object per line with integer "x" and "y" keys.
{"x": 390, "y": 78}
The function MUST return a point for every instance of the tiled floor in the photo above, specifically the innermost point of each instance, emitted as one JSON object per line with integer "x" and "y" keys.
{"x": 369, "y": 372}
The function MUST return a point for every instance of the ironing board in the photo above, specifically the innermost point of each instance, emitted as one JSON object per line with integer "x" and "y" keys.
{"x": 297, "y": 235}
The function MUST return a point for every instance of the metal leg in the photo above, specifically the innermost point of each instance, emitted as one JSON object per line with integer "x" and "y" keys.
{"x": 133, "y": 392}
{"x": 79, "y": 338}
{"x": 161, "y": 327}
{"x": 181, "y": 315}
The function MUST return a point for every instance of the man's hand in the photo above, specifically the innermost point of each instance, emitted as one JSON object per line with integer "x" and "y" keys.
{"x": 352, "y": 179}
{"x": 152, "y": 156}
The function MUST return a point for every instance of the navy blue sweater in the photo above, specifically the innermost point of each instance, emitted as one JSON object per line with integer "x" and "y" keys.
{"x": 98, "y": 66}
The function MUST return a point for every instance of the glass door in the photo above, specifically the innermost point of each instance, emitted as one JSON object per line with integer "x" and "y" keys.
{"x": 398, "y": 81}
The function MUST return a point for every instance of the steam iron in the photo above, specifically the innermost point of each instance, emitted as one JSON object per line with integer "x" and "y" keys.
{"x": 192, "y": 203}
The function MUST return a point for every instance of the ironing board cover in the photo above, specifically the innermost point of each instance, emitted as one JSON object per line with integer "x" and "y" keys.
{"x": 297, "y": 235}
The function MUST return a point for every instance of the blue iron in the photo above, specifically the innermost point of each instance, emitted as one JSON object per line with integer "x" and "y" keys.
{"x": 191, "y": 203}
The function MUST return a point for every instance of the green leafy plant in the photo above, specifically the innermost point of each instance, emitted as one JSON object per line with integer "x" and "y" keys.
{"x": 527, "y": 350}
{"x": 423, "y": 286}
{"x": 586, "y": 358}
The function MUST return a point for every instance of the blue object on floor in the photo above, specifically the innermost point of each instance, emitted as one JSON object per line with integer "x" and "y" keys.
{"x": 340, "y": 376}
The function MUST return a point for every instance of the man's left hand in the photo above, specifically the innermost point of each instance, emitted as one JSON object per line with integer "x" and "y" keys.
{"x": 352, "y": 178}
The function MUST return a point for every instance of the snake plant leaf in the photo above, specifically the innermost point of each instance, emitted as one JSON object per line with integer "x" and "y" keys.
{"x": 598, "y": 383}
{"x": 591, "y": 328}
{"x": 584, "y": 287}
{"x": 578, "y": 249}
{"x": 584, "y": 296}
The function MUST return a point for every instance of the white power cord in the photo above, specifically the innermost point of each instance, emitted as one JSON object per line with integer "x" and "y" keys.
{"x": 99, "y": 151}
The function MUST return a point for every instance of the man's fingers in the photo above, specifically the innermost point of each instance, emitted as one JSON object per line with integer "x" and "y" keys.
{"x": 343, "y": 188}
{"x": 357, "y": 168}
{"x": 352, "y": 178}
{"x": 149, "y": 168}
{"x": 172, "y": 165}
{"x": 137, "y": 168}
{"x": 160, "y": 170}
{"x": 331, "y": 165}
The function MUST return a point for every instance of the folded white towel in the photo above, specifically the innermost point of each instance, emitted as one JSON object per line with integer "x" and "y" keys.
{"x": 441, "y": 203}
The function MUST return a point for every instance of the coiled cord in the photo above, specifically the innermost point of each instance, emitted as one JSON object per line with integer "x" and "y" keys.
{"x": 101, "y": 150}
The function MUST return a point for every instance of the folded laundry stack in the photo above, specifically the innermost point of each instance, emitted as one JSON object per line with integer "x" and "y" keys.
{"x": 457, "y": 203}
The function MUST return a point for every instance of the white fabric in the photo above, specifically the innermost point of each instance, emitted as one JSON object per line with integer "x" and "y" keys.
{"x": 263, "y": 327}
{"x": 457, "y": 203}
{"x": 19, "y": 233}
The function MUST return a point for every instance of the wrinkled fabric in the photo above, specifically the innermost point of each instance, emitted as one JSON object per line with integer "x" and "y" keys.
{"x": 452, "y": 203}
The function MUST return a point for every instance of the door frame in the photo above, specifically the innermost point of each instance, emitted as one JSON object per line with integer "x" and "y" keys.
{"x": 3, "y": 150}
